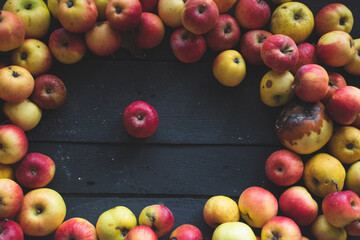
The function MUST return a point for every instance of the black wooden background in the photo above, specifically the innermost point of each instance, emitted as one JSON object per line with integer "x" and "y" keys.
{"x": 211, "y": 139}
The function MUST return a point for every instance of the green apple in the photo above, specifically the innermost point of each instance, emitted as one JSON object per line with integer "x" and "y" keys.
{"x": 233, "y": 231}
{"x": 352, "y": 181}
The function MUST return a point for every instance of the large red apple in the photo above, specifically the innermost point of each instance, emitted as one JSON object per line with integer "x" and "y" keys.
{"x": 250, "y": 46}
{"x": 124, "y": 15}
{"x": 252, "y": 14}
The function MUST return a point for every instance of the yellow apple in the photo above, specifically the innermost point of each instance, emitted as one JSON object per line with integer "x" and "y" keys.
{"x": 170, "y": 12}
{"x": 233, "y": 231}
{"x": 353, "y": 67}
{"x": 352, "y": 181}
{"x": 229, "y": 68}
{"x": 7, "y": 171}
{"x": 324, "y": 174}
{"x": 293, "y": 19}
{"x": 53, "y": 7}
{"x": 276, "y": 88}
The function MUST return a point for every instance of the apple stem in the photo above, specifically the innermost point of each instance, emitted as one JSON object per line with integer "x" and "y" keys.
{"x": 336, "y": 184}
{"x": 287, "y": 50}
{"x": 70, "y": 4}
{"x": 202, "y": 8}
{"x": 3, "y": 225}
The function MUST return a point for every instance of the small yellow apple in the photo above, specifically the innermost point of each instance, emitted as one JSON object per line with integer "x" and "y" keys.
{"x": 170, "y": 12}
{"x": 229, "y": 68}
{"x": 233, "y": 231}
{"x": 276, "y": 88}
{"x": 353, "y": 67}
{"x": 352, "y": 181}
{"x": 7, "y": 171}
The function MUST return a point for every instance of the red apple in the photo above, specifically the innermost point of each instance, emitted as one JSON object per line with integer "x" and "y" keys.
{"x": 35, "y": 170}
{"x": 186, "y": 46}
{"x": 199, "y": 16}
{"x": 140, "y": 119}
{"x": 149, "y": 32}
{"x": 281, "y": 228}
{"x": 141, "y": 233}
{"x": 124, "y": 15}
{"x": 353, "y": 229}
{"x": 186, "y": 232}
{"x": 336, "y": 81}
{"x": 76, "y": 228}
{"x": 250, "y": 46}
{"x": 11, "y": 198}
{"x": 157, "y": 217}
{"x": 279, "y": 52}
{"x": 307, "y": 55}
{"x": 225, "y": 35}
{"x": 13, "y": 142}
{"x": 49, "y": 92}
{"x": 12, "y": 32}
{"x": 10, "y": 230}
{"x": 102, "y": 39}
{"x": 148, "y": 5}
{"x": 284, "y": 167}
{"x": 252, "y": 14}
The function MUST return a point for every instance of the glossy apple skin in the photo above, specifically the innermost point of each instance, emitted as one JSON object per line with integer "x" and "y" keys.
{"x": 297, "y": 203}
{"x": 225, "y": 35}
{"x": 233, "y": 230}
{"x": 284, "y": 167}
{"x": 49, "y": 92}
{"x": 102, "y": 39}
{"x": 323, "y": 230}
{"x": 283, "y": 226}
{"x": 11, "y": 196}
{"x": 186, "y": 232}
{"x": 352, "y": 181}
{"x": 311, "y": 83}
{"x": 341, "y": 208}
{"x": 199, "y": 16}
{"x": 353, "y": 229}
{"x": 170, "y": 12}
{"x": 35, "y": 170}
{"x": 344, "y": 105}
{"x": 150, "y": 32}
{"x": 10, "y": 230}
{"x": 141, "y": 233}
{"x": 335, "y": 48}
{"x": 77, "y": 228}
{"x": 67, "y": 47}
{"x": 333, "y": 16}
{"x": 336, "y": 81}
{"x": 307, "y": 55}
{"x": 250, "y": 46}
{"x": 148, "y": 5}
{"x": 279, "y": 52}
{"x": 186, "y": 46}
{"x": 42, "y": 212}
{"x": 14, "y": 144}
{"x": 12, "y": 32}
{"x": 124, "y": 15}
{"x": 157, "y": 217}
{"x": 257, "y": 206}
{"x": 252, "y": 14}
{"x": 140, "y": 119}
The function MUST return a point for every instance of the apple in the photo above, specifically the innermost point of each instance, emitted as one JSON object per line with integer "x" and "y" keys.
{"x": 67, "y": 47}
{"x": 324, "y": 174}
{"x": 186, "y": 232}
{"x": 224, "y": 5}
{"x": 101, "y": 8}
{"x": 11, "y": 198}
{"x": 186, "y": 46}
{"x": 225, "y": 35}
{"x": 150, "y": 32}
{"x": 16, "y": 83}
{"x": 102, "y": 39}
{"x": 35, "y": 170}
{"x": 123, "y": 15}
{"x": 323, "y": 230}
{"x": 220, "y": 209}
{"x": 345, "y": 144}
{"x": 229, "y": 68}
{"x": 76, "y": 228}
{"x": 34, "y": 15}
{"x": 42, "y": 212}
{"x": 53, "y": 6}
{"x": 148, "y": 5}
{"x": 352, "y": 180}
{"x": 10, "y": 230}
{"x": 304, "y": 127}
{"x": 335, "y": 48}
{"x": 344, "y": 105}
{"x": 333, "y": 16}
{"x": 252, "y": 14}
{"x": 7, "y": 171}
{"x": 34, "y": 55}
{"x": 13, "y": 142}
{"x": 199, "y": 16}
{"x": 297, "y": 203}
{"x": 25, "y": 114}
{"x": 140, "y": 119}
{"x": 336, "y": 81}
{"x": 353, "y": 228}
{"x": 257, "y": 206}
{"x": 353, "y": 66}
{"x": 250, "y": 46}
{"x": 141, "y": 233}
{"x": 279, "y": 228}
{"x": 284, "y": 167}
{"x": 279, "y": 52}
{"x": 233, "y": 230}
{"x": 12, "y": 32}
{"x": 311, "y": 83}
{"x": 115, "y": 223}
{"x": 157, "y": 217}
{"x": 77, "y": 16}
{"x": 49, "y": 92}
{"x": 307, "y": 55}
{"x": 170, "y": 12}
{"x": 293, "y": 19}
{"x": 341, "y": 208}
